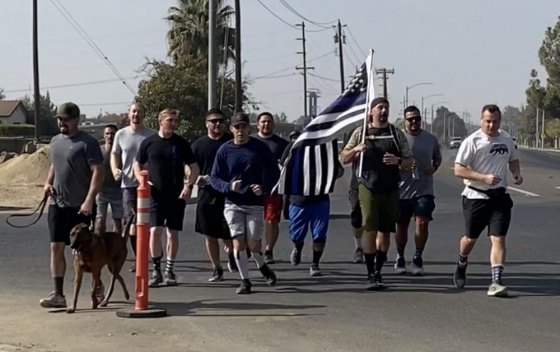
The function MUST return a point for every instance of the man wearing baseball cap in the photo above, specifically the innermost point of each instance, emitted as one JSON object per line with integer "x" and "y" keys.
{"x": 384, "y": 151}
{"x": 74, "y": 179}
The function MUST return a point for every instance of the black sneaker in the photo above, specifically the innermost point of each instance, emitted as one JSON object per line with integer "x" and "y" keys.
{"x": 155, "y": 279}
{"x": 417, "y": 266}
{"x": 169, "y": 278}
{"x": 460, "y": 276}
{"x": 244, "y": 288}
{"x": 218, "y": 275}
{"x": 400, "y": 266}
{"x": 376, "y": 282}
{"x": 268, "y": 274}
{"x": 268, "y": 258}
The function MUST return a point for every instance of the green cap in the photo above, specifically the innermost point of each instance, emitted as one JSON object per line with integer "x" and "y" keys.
{"x": 68, "y": 110}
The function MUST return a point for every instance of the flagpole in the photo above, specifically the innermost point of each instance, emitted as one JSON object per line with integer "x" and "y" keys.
{"x": 368, "y": 99}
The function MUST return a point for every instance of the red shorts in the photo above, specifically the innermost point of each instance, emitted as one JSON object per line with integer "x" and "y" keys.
{"x": 272, "y": 207}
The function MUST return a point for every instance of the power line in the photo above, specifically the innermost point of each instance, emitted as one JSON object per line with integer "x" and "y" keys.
{"x": 355, "y": 41}
{"x": 295, "y": 12}
{"x": 291, "y": 67}
{"x": 275, "y": 15}
{"x": 324, "y": 78}
{"x": 279, "y": 76}
{"x": 78, "y": 84}
{"x": 66, "y": 14}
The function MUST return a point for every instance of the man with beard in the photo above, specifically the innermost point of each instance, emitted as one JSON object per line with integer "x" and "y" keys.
{"x": 482, "y": 162}
{"x": 416, "y": 190}
{"x": 243, "y": 171}
{"x": 172, "y": 171}
{"x": 210, "y": 219}
{"x": 385, "y": 149}
{"x": 125, "y": 148}
{"x": 110, "y": 193}
{"x": 272, "y": 202}
{"x": 74, "y": 178}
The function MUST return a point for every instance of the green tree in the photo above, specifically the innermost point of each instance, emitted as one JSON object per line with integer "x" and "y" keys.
{"x": 188, "y": 35}
{"x": 552, "y": 129}
{"x": 454, "y": 125}
{"x": 2, "y": 96}
{"x": 182, "y": 87}
{"x": 47, "y": 125}
{"x": 549, "y": 56}
{"x": 281, "y": 118}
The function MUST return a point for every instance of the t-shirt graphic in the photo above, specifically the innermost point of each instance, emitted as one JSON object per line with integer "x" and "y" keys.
{"x": 499, "y": 148}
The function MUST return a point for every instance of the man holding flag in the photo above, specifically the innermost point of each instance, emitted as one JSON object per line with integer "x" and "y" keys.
{"x": 382, "y": 150}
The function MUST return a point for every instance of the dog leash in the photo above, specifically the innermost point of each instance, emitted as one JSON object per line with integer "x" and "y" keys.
{"x": 40, "y": 208}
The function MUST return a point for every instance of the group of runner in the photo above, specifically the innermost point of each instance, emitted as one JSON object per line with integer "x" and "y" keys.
{"x": 235, "y": 172}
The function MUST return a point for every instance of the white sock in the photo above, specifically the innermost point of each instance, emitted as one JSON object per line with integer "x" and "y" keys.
{"x": 242, "y": 263}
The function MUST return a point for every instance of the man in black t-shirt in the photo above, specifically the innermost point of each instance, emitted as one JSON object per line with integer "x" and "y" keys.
{"x": 272, "y": 202}
{"x": 172, "y": 172}
{"x": 210, "y": 219}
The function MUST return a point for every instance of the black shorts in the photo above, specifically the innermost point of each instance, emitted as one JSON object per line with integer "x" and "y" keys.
{"x": 210, "y": 219}
{"x": 356, "y": 212}
{"x": 130, "y": 201}
{"x": 421, "y": 207}
{"x": 494, "y": 213}
{"x": 62, "y": 220}
{"x": 168, "y": 212}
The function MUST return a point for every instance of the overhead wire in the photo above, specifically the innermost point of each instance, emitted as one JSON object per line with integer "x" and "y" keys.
{"x": 275, "y": 15}
{"x": 295, "y": 12}
{"x": 75, "y": 24}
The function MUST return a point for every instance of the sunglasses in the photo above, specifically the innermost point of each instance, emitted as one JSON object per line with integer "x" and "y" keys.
{"x": 216, "y": 121}
{"x": 414, "y": 118}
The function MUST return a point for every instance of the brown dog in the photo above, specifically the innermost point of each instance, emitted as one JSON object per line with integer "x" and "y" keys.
{"x": 91, "y": 253}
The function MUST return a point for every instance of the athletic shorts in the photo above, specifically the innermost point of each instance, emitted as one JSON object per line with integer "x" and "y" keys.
{"x": 168, "y": 212}
{"x": 421, "y": 207}
{"x": 244, "y": 220}
{"x": 62, "y": 221}
{"x": 379, "y": 211}
{"x": 314, "y": 216}
{"x": 272, "y": 207}
{"x": 493, "y": 213}
{"x": 210, "y": 219}
{"x": 114, "y": 200}
{"x": 356, "y": 212}
{"x": 130, "y": 201}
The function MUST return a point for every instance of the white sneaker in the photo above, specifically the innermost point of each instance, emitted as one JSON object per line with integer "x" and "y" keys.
{"x": 497, "y": 290}
{"x": 54, "y": 300}
{"x": 400, "y": 266}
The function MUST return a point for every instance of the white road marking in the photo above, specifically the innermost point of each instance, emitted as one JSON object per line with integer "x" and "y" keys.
{"x": 527, "y": 193}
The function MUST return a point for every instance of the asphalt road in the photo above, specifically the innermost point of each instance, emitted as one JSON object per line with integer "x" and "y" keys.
{"x": 328, "y": 313}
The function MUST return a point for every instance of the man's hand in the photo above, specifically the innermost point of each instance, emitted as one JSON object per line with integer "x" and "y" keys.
{"x": 492, "y": 180}
{"x": 87, "y": 207}
{"x": 360, "y": 148}
{"x": 390, "y": 159}
{"x": 517, "y": 179}
{"x": 202, "y": 180}
{"x": 235, "y": 186}
{"x": 185, "y": 193}
{"x": 257, "y": 189}
{"x": 47, "y": 190}
{"x": 117, "y": 174}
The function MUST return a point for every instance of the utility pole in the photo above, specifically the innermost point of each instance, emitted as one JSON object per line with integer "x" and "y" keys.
{"x": 36, "y": 93}
{"x": 537, "y": 129}
{"x": 238, "y": 82}
{"x": 542, "y": 129}
{"x": 340, "y": 39}
{"x": 304, "y": 68}
{"x": 212, "y": 50}
{"x": 383, "y": 72}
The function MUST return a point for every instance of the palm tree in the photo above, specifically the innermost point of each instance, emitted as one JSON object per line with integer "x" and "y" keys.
{"x": 188, "y": 35}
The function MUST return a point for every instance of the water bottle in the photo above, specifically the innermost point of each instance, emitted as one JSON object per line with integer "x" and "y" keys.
{"x": 415, "y": 175}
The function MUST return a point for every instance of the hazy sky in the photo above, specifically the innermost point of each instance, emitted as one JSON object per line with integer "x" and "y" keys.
{"x": 475, "y": 52}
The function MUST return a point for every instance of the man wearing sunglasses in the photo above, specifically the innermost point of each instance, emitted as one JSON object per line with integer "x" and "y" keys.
{"x": 210, "y": 219}
{"x": 244, "y": 170}
{"x": 416, "y": 190}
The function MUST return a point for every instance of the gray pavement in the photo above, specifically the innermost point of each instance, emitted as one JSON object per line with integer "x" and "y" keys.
{"x": 328, "y": 313}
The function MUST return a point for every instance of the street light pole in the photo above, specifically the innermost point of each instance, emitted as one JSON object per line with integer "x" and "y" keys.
{"x": 412, "y": 86}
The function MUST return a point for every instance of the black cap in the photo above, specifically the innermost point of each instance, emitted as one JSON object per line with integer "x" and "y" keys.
{"x": 240, "y": 117}
{"x": 68, "y": 110}
{"x": 379, "y": 100}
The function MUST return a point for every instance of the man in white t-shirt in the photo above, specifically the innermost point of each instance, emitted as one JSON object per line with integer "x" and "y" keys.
{"x": 482, "y": 162}
{"x": 125, "y": 147}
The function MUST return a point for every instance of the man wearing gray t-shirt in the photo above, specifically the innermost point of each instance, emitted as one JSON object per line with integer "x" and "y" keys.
{"x": 74, "y": 179}
{"x": 416, "y": 190}
{"x": 125, "y": 148}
